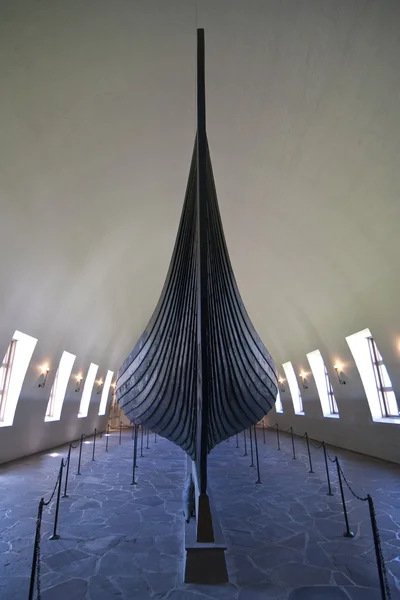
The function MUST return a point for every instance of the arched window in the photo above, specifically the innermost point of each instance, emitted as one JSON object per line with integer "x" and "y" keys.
{"x": 323, "y": 383}
{"x": 59, "y": 388}
{"x": 294, "y": 388}
{"x": 105, "y": 392}
{"x": 374, "y": 376}
{"x": 12, "y": 374}
{"x": 87, "y": 391}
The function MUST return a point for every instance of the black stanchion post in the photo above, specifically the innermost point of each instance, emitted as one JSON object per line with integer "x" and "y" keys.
{"x": 65, "y": 495}
{"x": 277, "y": 436}
{"x": 55, "y": 536}
{"x": 120, "y": 431}
{"x": 294, "y": 450}
{"x": 155, "y": 438}
{"x": 385, "y": 592}
{"x": 147, "y": 442}
{"x": 237, "y": 441}
{"x": 257, "y": 460}
{"x": 35, "y": 549}
{"x": 245, "y": 443}
{"x": 327, "y": 471}
{"x": 309, "y": 453}
{"x": 80, "y": 455}
{"x": 134, "y": 482}
{"x": 133, "y": 431}
{"x": 94, "y": 443}
{"x": 107, "y": 436}
{"x": 347, "y": 533}
{"x": 263, "y": 431}
{"x": 251, "y": 449}
{"x": 141, "y": 440}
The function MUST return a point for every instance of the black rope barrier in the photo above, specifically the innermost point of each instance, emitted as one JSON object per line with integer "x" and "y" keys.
{"x": 329, "y": 493}
{"x": 134, "y": 482}
{"x": 251, "y": 448}
{"x": 309, "y": 452}
{"x": 380, "y": 561}
{"x": 94, "y": 444}
{"x": 107, "y": 436}
{"x": 277, "y": 437}
{"x": 257, "y": 459}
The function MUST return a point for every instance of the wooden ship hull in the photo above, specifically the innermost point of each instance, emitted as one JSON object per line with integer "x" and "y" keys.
{"x": 199, "y": 373}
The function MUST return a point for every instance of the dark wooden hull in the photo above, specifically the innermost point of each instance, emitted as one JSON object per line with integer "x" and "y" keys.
{"x": 199, "y": 373}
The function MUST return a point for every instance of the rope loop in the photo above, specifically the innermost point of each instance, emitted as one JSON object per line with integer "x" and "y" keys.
{"x": 348, "y": 485}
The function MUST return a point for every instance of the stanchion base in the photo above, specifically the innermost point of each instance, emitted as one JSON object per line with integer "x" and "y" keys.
{"x": 294, "y": 458}
{"x": 311, "y": 471}
{"x": 134, "y": 483}
{"x": 329, "y": 494}
{"x": 65, "y": 496}
{"x": 278, "y": 449}
{"x": 54, "y": 537}
{"x": 348, "y": 534}
{"x": 258, "y": 482}
{"x": 252, "y": 466}
{"x": 245, "y": 454}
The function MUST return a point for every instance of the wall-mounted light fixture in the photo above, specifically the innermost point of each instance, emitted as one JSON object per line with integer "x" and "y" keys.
{"x": 339, "y": 373}
{"x": 113, "y": 387}
{"x": 281, "y": 386}
{"x": 304, "y": 380}
{"x": 99, "y": 386}
{"x": 78, "y": 383}
{"x": 45, "y": 371}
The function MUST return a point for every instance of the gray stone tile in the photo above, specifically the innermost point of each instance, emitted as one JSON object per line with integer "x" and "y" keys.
{"x": 73, "y": 589}
{"x": 298, "y": 574}
{"x": 325, "y": 592}
{"x": 364, "y": 593}
{"x": 102, "y": 588}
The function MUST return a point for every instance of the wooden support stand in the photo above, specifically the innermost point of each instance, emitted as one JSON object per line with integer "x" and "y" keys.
{"x": 204, "y": 561}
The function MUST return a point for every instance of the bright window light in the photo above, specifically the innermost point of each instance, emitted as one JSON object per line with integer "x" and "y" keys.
{"x": 87, "y": 390}
{"x": 12, "y": 374}
{"x": 59, "y": 388}
{"x": 104, "y": 394}
{"x": 374, "y": 376}
{"x": 323, "y": 383}
{"x": 278, "y": 403}
{"x": 294, "y": 388}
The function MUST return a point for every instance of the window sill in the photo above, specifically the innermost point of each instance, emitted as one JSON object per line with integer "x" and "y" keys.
{"x": 47, "y": 419}
{"x": 300, "y": 414}
{"x": 332, "y": 416}
{"x": 395, "y": 420}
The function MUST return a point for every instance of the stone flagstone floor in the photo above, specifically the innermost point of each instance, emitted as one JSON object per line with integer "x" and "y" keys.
{"x": 117, "y": 541}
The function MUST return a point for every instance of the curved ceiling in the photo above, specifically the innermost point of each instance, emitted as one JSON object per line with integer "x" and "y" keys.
{"x": 97, "y": 127}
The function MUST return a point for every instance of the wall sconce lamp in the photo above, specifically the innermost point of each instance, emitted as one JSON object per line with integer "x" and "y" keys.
{"x": 113, "y": 386}
{"x": 281, "y": 386}
{"x": 304, "y": 380}
{"x": 45, "y": 372}
{"x": 78, "y": 383}
{"x": 339, "y": 373}
{"x": 99, "y": 386}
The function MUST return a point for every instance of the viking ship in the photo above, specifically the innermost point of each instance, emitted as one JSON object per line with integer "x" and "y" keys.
{"x": 199, "y": 372}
